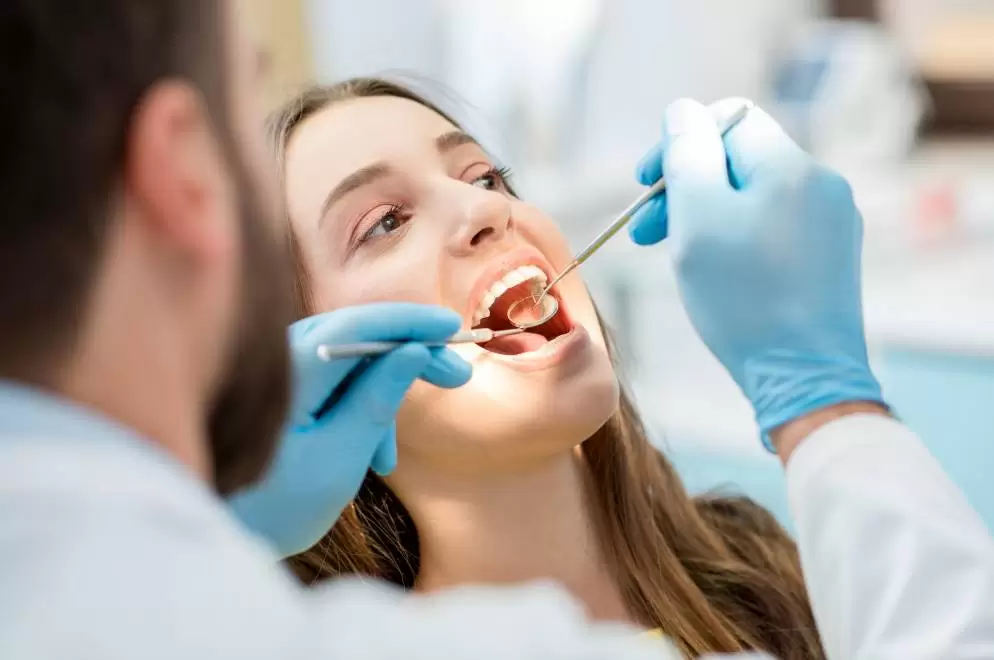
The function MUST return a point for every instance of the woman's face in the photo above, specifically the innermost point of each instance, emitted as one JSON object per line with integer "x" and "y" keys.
{"x": 391, "y": 202}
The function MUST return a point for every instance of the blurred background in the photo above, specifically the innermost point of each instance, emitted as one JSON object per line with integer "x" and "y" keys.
{"x": 897, "y": 94}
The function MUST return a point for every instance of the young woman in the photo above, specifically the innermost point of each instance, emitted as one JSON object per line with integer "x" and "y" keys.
{"x": 539, "y": 468}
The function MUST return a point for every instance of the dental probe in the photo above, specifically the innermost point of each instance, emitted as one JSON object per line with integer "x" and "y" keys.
{"x": 731, "y": 122}
{"x": 329, "y": 353}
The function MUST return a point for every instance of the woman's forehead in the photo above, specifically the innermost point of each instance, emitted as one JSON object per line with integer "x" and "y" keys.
{"x": 348, "y": 136}
{"x": 355, "y": 133}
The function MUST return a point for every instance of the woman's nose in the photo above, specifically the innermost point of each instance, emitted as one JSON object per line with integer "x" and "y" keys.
{"x": 483, "y": 221}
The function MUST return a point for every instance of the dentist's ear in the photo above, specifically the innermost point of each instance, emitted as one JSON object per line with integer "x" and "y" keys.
{"x": 175, "y": 172}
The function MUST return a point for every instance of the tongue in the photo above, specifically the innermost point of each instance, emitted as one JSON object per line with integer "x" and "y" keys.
{"x": 524, "y": 342}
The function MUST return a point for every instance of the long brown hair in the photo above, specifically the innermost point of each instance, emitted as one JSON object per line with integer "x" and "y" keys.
{"x": 715, "y": 574}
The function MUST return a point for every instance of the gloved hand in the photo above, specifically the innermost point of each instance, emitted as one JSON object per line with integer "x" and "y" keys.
{"x": 767, "y": 248}
{"x": 321, "y": 463}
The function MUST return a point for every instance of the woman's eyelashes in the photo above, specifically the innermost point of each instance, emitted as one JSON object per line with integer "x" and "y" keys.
{"x": 390, "y": 220}
{"x": 392, "y": 217}
{"x": 496, "y": 178}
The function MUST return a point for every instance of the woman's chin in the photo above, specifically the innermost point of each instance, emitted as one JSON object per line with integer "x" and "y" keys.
{"x": 557, "y": 419}
{"x": 501, "y": 416}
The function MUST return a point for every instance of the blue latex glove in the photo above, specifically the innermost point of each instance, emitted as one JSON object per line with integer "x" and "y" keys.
{"x": 767, "y": 247}
{"x": 321, "y": 463}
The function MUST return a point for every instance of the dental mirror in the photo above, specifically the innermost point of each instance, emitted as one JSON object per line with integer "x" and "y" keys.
{"x": 533, "y": 310}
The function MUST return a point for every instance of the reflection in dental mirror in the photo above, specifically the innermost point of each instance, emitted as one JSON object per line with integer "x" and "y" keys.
{"x": 533, "y": 310}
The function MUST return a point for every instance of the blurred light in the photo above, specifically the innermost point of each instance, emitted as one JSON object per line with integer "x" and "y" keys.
{"x": 555, "y": 23}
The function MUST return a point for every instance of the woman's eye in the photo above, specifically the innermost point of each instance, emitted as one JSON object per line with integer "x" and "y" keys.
{"x": 388, "y": 223}
{"x": 488, "y": 182}
{"x": 494, "y": 179}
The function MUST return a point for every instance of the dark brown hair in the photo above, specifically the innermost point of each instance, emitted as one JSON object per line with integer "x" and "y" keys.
{"x": 716, "y": 574}
{"x": 73, "y": 73}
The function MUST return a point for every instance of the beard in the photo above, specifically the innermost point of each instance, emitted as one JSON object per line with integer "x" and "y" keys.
{"x": 250, "y": 405}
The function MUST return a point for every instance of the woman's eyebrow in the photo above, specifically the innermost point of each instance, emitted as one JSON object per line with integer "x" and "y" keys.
{"x": 451, "y": 140}
{"x": 372, "y": 173}
{"x": 358, "y": 179}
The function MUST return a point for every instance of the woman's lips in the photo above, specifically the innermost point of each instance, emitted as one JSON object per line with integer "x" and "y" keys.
{"x": 535, "y": 353}
{"x": 559, "y": 351}
{"x": 526, "y": 342}
{"x": 523, "y": 255}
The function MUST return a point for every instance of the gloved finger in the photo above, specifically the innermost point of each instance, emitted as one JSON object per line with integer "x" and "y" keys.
{"x": 759, "y": 147}
{"x": 385, "y": 458}
{"x": 447, "y": 369}
{"x": 650, "y": 168}
{"x": 314, "y": 378}
{"x": 693, "y": 153}
{"x": 375, "y": 397}
{"x": 649, "y": 226}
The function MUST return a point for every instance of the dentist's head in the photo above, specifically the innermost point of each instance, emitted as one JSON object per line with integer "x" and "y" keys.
{"x": 139, "y": 271}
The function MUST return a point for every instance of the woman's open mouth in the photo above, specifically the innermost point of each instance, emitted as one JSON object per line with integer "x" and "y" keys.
{"x": 516, "y": 285}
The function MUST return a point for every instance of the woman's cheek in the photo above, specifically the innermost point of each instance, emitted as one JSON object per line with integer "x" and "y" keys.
{"x": 414, "y": 282}
{"x": 420, "y": 413}
{"x": 543, "y": 232}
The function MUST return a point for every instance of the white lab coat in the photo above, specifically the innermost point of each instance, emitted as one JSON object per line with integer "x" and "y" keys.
{"x": 897, "y": 563}
{"x": 110, "y": 550}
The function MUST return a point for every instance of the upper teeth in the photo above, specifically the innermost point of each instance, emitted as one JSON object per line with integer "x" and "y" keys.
{"x": 498, "y": 288}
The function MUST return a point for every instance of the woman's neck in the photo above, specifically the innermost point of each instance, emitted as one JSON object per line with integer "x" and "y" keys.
{"x": 513, "y": 529}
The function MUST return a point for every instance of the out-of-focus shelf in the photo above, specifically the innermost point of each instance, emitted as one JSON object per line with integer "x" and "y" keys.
{"x": 943, "y": 303}
{"x": 931, "y": 292}
{"x": 953, "y": 156}
{"x": 960, "y": 48}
